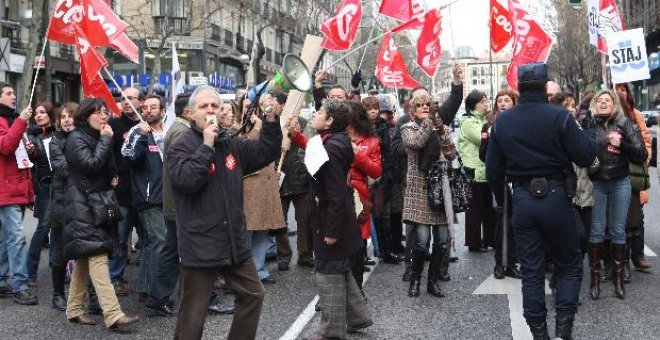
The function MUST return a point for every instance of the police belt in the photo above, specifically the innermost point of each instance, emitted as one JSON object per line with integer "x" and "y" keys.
{"x": 539, "y": 186}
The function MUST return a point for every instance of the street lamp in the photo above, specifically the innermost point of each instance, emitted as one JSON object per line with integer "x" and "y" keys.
{"x": 245, "y": 60}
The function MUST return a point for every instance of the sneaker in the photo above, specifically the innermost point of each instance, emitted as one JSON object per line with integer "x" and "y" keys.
{"x": 25, "y": 297}
{"x": 6, "y": 291}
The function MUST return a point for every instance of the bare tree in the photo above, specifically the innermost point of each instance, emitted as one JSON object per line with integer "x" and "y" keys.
{"x": 573, "y": 61}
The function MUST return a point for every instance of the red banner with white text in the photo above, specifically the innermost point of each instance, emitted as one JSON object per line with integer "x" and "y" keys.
{"x": 340, "y": 31}
{"x": 429, "y": 51}
{"x": 391, "y": 69}
{"x": 500, "y": 26}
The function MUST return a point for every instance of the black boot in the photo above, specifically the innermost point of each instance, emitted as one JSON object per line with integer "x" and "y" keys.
{"x": 564, "y": 328}
{"x": 408, "y": 265}
{"x": 618, "y": 256}
{"x": 432, "y": 286}
{"x": 498, "y": 272}
{"x": 594, "y": 250}
{"x": 59, "y": 302}
{"x": 540, "y": 331}
{"x": 444, "y": 262}
{"x": 385, "y": 241}
{"x": 417, "y": 267}
{"x": 606, "y": 256}
{"x": 627, "y": 275}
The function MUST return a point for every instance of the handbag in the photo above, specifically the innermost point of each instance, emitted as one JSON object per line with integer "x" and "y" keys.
{"x": 103, "y": 205}
{"x": 434, "y": 192}
{"x": 639, "y": 176}
{"x": 461, "y": 188}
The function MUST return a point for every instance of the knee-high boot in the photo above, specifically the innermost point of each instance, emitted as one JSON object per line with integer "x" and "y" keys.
{"x": 444, "y": 263}
{"x": 59, "y": 301}
{"x": 408, "y": 264}
{"x": 594, "y": 250}
{"x": 606, "y": 256}
{"x": 432, "y": 286}
{"x": 417, "y": 267}
{"x": 627, "y": 274}
{"x": 618, "y": 258}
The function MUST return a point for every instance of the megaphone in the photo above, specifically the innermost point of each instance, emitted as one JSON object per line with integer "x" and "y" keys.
{"x": 292, "y": 75}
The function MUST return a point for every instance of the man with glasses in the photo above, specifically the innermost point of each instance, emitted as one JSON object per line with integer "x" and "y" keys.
{"x": 143, "y": 149}
{"x": 16, "y": 192}
{"x": 121, "y": 125}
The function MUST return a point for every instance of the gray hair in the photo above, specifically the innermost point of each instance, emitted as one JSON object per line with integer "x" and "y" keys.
{"x": 193, "y": 96}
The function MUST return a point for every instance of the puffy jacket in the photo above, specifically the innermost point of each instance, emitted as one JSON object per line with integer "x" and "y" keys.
{"x": 469, "y": 142}
{"x": 614, "y": 161}
{"x": 120, "y": 127}
{"x": 296, "y": 178}
{"x": 39, "y": 137}
{"x": 367, "y": 164}
{"x": 91, "y": 165}
{"x": 15, "y": 184}
{"x": 58, "y": 199}
{"x": 332, "y": 213}
{"x": 207, "y": 187}
{"x": 144, "y": 155}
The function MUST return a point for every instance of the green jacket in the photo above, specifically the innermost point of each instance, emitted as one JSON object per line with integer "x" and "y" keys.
{"x": 469, "y": 141}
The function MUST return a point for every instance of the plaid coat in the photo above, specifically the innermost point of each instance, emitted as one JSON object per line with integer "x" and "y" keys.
{"x": 415, "y": 203}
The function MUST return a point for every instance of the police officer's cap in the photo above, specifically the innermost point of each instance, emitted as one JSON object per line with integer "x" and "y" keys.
{"x": 533, "y": 72}
{"x": 384, "y": 104}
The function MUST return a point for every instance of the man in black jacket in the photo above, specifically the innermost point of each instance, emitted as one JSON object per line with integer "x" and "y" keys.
{"x": 120, "y": 125}
{"x": 206, "y": 168}
{"x": 532, "y": 144}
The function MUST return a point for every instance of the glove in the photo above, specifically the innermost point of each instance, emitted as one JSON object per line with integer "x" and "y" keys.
{"x": 356, "y": 79}
{"x": 587, "y": 121}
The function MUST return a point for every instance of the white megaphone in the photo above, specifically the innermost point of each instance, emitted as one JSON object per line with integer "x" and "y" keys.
{"x": 293, "y": 75}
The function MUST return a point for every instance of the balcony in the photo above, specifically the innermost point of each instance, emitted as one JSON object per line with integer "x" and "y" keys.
{"x": 14, "y": 35}
{"x": 178, "y": 26}
{"x": 66, "y": 52}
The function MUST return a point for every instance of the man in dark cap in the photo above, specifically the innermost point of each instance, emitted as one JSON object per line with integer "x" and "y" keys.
{"x": 532, "y": 144}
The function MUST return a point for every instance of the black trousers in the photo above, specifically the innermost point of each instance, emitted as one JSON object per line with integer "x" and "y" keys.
{"x": 196, "y": 288}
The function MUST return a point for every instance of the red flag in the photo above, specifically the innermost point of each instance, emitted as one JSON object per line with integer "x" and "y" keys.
{"x": 101, "y": 25}
{"x": 416, "y": 18}
{"x": 92, "y": 60}
{"x": 97, "y": 88}
{"x": 428, "y": 44}
{"x": 609, "y": 20}
{"x": 391, "y": 69}
{"x": 531, "y": 43}
{"x": 340, "y": 30}
{"x": 400, "y": 9}
{"x": 500, "y": 26}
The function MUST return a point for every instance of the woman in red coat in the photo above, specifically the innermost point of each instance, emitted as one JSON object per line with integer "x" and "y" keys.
{"x": 367, "y": 164}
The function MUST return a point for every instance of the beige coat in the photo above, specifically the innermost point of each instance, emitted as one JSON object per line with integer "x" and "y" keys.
{"x": 261, "y": 196}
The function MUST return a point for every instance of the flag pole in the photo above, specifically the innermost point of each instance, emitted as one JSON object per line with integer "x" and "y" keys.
{"x": 122, "y": 93}
{"x": 364, "y": 52}
{"x": 41, "y": 55}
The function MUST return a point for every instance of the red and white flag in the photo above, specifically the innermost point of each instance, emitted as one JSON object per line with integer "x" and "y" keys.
{"x": 609, "y": 20}
{"x": 391, "y": 69}
{"x": 101, "y": 25}
{"x": 429, "y": 51}
{"x": 90, "y": 57}
{"x": 415, "y": 19}
{"x": 97, "y": 88}
{"x": 404, "y": 10}
{"x": 500, "y": 26}
{"x": 339, "y": 31}
{"x": 530, "y": 42}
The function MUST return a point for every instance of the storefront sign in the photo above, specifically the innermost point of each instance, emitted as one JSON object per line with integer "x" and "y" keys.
{"x": 180, "y": 45}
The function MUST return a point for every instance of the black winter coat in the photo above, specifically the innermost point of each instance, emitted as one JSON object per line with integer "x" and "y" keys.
{"x": 57, "y": 208}
{"x": 207, "y": 184}
{"x": 331, "y": 200}
{"x": 36, "y": 136}
{"x": 120, "y": 126}
{"x": 614, "y": 161}
{"x": 91, "y": 166}
{"x": 296, "y": 178}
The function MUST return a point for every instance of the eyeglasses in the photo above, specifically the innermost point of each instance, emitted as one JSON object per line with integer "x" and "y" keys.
{"x": 427, "y": 104}
{"x": 129, "y": 98}
{"x": 152, "y": 107}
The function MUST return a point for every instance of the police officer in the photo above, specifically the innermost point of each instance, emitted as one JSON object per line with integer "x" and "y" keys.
{"x": 532, "y": 144}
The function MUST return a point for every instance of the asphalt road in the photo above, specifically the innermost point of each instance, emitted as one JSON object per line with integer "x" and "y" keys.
{"x": 460, "y": 315}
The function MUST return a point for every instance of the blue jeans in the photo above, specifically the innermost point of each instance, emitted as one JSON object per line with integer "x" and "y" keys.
{"x": 4, "y": 260}
{"x": 611, "y": 199}
{"x": 423, "y": 236}
{"x": 11, "y": 218}
{"x": 41, "y": 233}
{"x": 153, "y": 241}
{"x": 119, "y": 260}
{"x": 167, "y": 273}
{"x": 259, "y": 249}
{"x": 541, "y": 223}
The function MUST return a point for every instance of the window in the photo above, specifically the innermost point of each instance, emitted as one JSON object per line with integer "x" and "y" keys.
{"x": 483, "y": 81}
{"x": 474, "y": 82}
{"x": 474, "y": 72}
{"x": 158, "y": 8}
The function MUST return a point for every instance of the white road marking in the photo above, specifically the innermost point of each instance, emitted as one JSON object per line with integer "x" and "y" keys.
{"x": 309, "y": 312}
{"x": 648, "y": 252}
{"x": 512, "y": 288}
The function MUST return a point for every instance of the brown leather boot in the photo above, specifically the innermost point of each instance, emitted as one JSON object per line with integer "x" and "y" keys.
{"x": 125, "y": 321}
{"x": 594, "y": 250}
{"x": 83, "y": 320}
{"x": 618, "y": 264}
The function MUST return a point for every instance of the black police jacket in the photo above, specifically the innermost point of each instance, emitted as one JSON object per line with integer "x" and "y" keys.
{"x": 614, "y": 161}
{"x": 536, "y": 139}
{"x": 207, "y": 184}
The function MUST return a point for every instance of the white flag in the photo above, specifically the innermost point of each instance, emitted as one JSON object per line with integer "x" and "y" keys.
{"x": 176, "y": 88}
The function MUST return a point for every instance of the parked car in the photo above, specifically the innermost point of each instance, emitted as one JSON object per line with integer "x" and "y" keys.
{"x": 650, "y": 117}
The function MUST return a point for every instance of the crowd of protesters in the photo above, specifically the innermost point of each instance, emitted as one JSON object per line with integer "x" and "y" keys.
{"x": 95, "y": 178}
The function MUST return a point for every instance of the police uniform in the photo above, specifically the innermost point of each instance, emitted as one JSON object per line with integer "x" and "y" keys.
{"x": 533, "y": 144}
